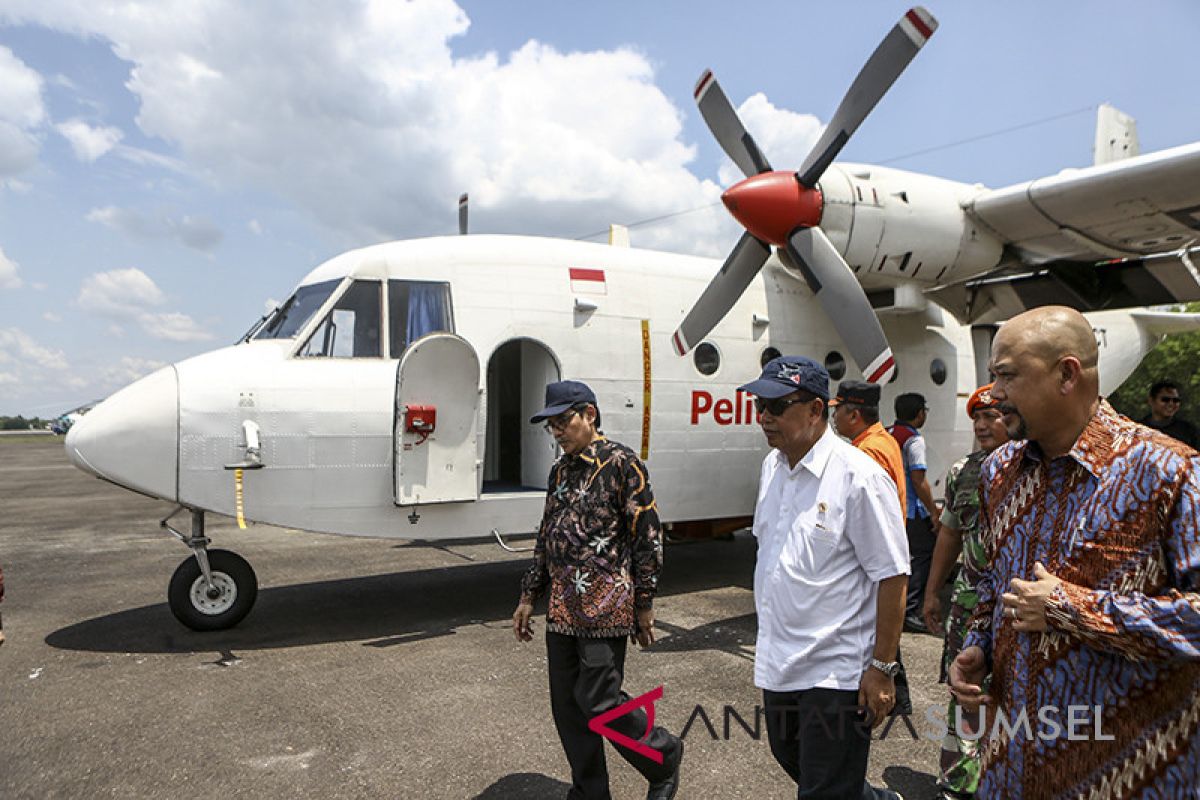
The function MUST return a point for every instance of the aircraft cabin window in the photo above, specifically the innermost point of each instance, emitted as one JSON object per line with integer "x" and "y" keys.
{"x": 937, "y": 371}
{"x": 417, "y": 308}
{"x": 297, "y": 310}
{"x": 707, "y": 358}
{"x": 352, "y": 327}
{"x": 835, "y": 365}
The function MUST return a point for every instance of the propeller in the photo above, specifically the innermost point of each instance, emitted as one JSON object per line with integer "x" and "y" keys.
{"x": 462, "y": 213}
{"x": 784, "y": 209}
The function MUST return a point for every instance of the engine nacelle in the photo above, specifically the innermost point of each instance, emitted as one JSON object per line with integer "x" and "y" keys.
{"x": 893, "y": 226}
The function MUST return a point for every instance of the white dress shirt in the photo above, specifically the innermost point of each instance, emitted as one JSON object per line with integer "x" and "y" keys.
{"x": 828, "y": 531}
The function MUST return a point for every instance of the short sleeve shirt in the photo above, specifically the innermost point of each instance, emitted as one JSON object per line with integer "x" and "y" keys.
{"x": 914, "y": 459}
{"x": 829, "y": 530}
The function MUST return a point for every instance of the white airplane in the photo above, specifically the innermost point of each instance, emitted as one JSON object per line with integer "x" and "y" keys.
{"x": 389, "y": 396}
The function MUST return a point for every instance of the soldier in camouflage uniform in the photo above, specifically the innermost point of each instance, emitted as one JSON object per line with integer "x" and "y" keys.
{"x": 960, "y": 758}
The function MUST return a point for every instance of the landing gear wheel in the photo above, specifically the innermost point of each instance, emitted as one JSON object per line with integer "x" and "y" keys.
{"x": 224, "y": 605}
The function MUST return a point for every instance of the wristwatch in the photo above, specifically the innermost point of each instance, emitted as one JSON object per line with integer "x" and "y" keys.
{"x": 889, "y": 668}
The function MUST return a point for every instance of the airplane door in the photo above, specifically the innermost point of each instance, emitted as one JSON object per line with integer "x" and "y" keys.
{"x": 437, "y": 413}
{"x": 538, "y": 450}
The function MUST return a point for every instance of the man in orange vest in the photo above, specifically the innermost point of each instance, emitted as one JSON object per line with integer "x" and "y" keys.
{"x": 856, "y": 417}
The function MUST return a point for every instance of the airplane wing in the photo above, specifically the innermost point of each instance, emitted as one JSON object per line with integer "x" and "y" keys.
{"x": 1115, "y": 235}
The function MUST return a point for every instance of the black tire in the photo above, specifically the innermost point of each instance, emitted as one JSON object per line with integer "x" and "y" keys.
{"x": 237, "y": 590}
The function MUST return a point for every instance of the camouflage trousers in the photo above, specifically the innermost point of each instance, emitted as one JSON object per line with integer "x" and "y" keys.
{"x": 959, "y": 764}
{"x": 958, "y": 769}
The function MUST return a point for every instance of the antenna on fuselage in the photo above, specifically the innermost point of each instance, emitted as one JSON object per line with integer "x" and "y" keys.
{"x": 462, "y": 213}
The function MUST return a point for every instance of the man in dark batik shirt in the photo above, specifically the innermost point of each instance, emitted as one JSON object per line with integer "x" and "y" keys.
{"x": 599, "y": 552}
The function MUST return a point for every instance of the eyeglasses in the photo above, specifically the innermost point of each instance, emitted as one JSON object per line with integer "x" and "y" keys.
{"x": 560, "y": 422}
{"x": 1170, "y": 399}
{"x": 777, "y": 405}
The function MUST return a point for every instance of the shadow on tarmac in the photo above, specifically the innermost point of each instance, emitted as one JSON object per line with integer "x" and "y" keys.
{"x": 395, "y": 609}
{"x": 524, "y": 786}
{"x": 909, "y": 782}
{"x": 734, "y": 636}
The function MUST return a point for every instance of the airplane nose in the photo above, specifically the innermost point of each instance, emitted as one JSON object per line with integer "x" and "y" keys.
{"x": 132, "y": 438}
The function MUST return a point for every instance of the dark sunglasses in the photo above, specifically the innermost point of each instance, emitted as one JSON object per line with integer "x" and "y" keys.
{"x": 560, "y": 422}
{"x": 777, "y": 405}
{"x": 1170, "y": 399}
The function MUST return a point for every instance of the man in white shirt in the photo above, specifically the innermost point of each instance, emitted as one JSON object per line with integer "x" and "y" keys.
{"x": 829, "y": 587}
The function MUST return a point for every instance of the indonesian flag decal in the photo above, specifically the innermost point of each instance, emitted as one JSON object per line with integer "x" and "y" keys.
{"x": 588, "y": 281}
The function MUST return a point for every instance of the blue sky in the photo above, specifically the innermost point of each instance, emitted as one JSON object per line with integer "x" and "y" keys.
{"x": 168, "y": 168}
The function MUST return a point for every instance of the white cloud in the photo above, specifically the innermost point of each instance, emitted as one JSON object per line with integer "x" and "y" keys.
{"x": 120, "y": 293}
{"x": 196, "y": 232}
{"x": 22, "y": 112}
{"x": 360, "y": 114}
{"x": 148, "y": 158}
{"x": 7, "y": 378}
{"x": 127, "y": 295}
{"x": 255, "y": 227}
{"x": 16, "y": 186}
{"x": 89, "y": 143}
{"x": 9, "y": 279}
{"x": 63, "y": 81}
{"x": 50, "y": 316}
{"x": 173, "y": 326}
{"x": 20, "y": 92}
{"x": 18, "y": 346}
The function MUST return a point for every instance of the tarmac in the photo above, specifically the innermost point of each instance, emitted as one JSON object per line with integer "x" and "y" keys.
{"x": 368, "y": 667}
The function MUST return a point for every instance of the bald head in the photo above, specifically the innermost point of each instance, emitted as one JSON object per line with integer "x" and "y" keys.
{"x": 1047, "y": 379}
{"x": 1050, "y": 334}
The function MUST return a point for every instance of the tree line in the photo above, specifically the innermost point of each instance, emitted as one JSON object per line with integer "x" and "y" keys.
{"x": 1177, "y": 358}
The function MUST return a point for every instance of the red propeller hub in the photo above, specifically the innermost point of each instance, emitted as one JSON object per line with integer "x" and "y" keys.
{"x": 773, "y": 204}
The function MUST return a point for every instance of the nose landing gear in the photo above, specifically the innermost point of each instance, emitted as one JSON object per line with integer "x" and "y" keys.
{"x": 214, "y": 589}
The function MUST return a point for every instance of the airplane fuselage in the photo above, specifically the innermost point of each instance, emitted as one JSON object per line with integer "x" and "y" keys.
{"x": 336, "y": 454}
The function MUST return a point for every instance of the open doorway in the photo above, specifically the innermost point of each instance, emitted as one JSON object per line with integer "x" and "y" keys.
{"x": 518, "y": 455}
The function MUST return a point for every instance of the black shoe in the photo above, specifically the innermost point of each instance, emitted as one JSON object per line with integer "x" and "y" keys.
{"x": 666, "y": 789}
{"x": 914, "y": 624}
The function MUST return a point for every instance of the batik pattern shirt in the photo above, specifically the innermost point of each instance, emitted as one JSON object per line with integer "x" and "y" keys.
{"x": 599, "y": 547}
{"x": 1116, "y": 520}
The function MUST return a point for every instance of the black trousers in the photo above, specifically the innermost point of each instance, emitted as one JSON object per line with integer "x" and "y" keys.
{"x": 920, "y": 551}
{"x": 585, "y": 681}
{"x": 822, "y": 742}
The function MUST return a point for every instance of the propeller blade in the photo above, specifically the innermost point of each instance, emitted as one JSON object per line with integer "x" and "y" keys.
{"x": 747, "y": 258}
{"x": 844, "y": 301}
{"x": 462, "y": 213}
{"x": 727, "y": 128}
{"x": 881, "y": 70}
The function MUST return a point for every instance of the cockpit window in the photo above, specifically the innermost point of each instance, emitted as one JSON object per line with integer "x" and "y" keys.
{"x": 351, "y": 329}
{"x": 298, "y": 310}
{"x": 417, "y": 308}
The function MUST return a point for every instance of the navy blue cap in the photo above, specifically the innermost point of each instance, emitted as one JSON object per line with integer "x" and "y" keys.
{"x": 563, "y": 395}
{"x": 858, "y": 393}
{"x": 786, "y": 374}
